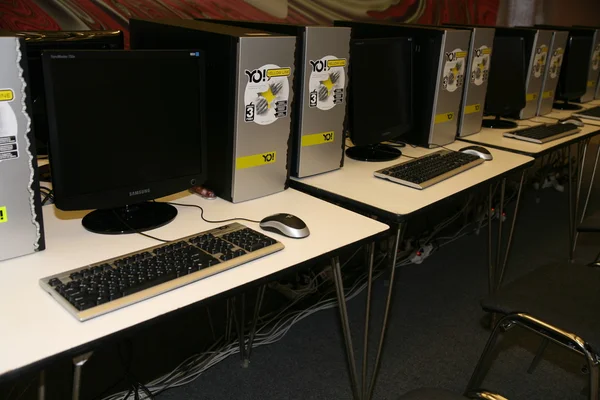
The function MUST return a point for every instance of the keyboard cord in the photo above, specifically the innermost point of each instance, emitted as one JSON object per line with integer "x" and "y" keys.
{"x": 218, "y": 221}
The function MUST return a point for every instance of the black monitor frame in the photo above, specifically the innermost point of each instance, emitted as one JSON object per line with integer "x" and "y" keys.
{"x": 367, "y": 143}
{"x": 123, "y": 201}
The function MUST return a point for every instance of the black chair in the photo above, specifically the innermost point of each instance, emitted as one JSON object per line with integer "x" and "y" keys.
{"x": 559, "y": 302}
{"x": 437, "y": 394}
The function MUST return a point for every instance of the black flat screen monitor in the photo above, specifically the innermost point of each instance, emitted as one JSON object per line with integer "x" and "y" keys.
{"x": 380, "y": 96}
{"x": 38, "y": 41}
{"x": 505, "y": 95}
{"x": 125, "y": 127}
{"x": 572, "y": 83}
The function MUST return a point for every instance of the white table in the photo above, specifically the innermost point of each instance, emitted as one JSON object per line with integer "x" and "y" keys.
{"x": 355, "y": 187}
{"x": 494, "y": 138}
{"x": 35, "y": 329}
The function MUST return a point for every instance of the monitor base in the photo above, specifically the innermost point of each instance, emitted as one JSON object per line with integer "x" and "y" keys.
{"x": 129, "y": 219}
{"x": 566, "y": 106}
{"x": 498, "y": 123}
{"x": 373, "y": 153}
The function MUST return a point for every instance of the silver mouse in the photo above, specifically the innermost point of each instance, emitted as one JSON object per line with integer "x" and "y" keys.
{"x": 285, "y": 224}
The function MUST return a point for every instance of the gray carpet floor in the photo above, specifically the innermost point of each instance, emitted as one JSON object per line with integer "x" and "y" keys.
{"x": 436, "y": 331}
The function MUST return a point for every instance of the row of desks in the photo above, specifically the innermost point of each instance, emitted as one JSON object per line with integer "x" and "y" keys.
{"x": 35, "y": 330}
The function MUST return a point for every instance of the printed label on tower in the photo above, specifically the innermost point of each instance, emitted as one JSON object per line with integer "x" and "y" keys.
{"x": 8, "y": 132}
{"x": 596, "y": 58}
{"x": 267, "y": 94}
{"x": 255, "y": 160}
{"x": 327, "y": 82}
{"x": 481, "y": 65}
{"x": 318, "y": 138}
{"x": 454, "y": 70}
{"x": 556, "y": 62}
{"x": 3, "y": 215}
{"x": 539, "y": 61}
{"x": 6, "y": 95}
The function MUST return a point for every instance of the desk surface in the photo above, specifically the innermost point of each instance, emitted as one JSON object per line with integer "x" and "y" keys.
{"x": 356, "y": 184}
{"x": 34, "y": 327}
{"x": 494, "y": 138}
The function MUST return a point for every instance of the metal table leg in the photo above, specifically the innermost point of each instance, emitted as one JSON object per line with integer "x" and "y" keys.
{"x": 370, "y": 255}
{"x": 78, "y": 363}
{"x": 580, "y": 160}
{"x": 512, "y": 231}
{"x": 570, "y": 194}
{"x": 399, "y": 236}
{"x": 339, "y": 288}
{"x": 42, "y": 386}
{"x": 587, "y": 198}
{"x": 257, "y": 306}
{"x": 491, "y": 270}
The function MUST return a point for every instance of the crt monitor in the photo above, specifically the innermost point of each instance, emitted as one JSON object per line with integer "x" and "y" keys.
{"x": 572, "y": 82}
{"x": 505, "y": 95}
{"x": 379, "y": 97}
{"x": 38, "y": 41}
{"x": 126, "y": 127}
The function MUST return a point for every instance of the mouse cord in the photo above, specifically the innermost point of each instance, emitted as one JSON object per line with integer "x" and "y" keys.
{"x": 218, "y": 221}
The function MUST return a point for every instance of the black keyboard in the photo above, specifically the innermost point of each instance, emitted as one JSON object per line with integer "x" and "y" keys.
{"x": 428, "y": 170}
{"x": 543, "y": 133}
{"x": 108, "y": 285}
{"x": 591, "y": 113}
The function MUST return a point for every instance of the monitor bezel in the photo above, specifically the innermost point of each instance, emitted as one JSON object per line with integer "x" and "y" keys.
{"x": 123, "y": 196}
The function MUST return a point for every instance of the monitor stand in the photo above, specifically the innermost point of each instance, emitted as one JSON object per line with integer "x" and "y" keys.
{"x": 373, "y": 152}
{"x": 129, "y": 219}
{"x": 498, "y": 123}
{"x": 565, "y": 105}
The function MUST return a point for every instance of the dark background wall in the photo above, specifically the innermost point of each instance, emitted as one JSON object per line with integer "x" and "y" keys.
{"x": 114, "y": 14}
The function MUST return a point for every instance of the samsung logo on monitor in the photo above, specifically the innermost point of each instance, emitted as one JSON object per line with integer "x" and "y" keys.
{"x": 139, "y": 192}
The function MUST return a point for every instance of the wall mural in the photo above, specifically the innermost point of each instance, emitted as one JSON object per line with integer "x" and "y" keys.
{"x": 114, "y": 14}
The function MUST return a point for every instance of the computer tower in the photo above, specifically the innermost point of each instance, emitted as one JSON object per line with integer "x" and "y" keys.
{"x": 552, "y": 71}
{"x": 537, "y": 46}
{"x": 593, "y": 81}
{"x": 440, "y": 60}
{"x": 21, "y": 222}
{"x": 249, "y": 90}
{"x": 594, "y": 59}
{"x": 320, "y": 81}
{"x": 478, "y": 66}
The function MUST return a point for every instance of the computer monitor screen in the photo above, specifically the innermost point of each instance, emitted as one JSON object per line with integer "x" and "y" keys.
{"x": 506, "y": 83}
{"x": 380, "y": 93}
{"x": 35, "y": 43}
{"x": 572, "y": 82}
{"x": 125, "y": 127}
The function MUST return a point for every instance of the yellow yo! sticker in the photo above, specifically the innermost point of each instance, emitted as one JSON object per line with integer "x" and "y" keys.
{"x": 255, "y": 160}
{"x": 547, "y": 94}
{"x": 340, "y": 62}
{"x": 6, "y": 95}
{"x": 318, "y": 138}
{"x": 531, "y": 96}
{"x": 472, "y": 109}
{"x": 3, "y": 215}
{"x": 591, "y": 84}
{"x": 278, "y": 72}
{"x": 445, "y": 117}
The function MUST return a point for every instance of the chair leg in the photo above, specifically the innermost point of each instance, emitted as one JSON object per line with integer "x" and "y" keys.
{"x": 485, "y": 360}
{"x": 594, "y": 375}
{"x": 538, "y": 356}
